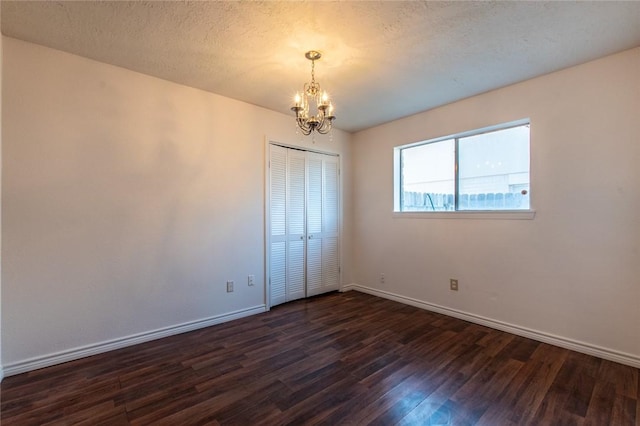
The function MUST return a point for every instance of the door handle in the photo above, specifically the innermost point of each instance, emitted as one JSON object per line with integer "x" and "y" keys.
{"x": 310, "y": 236}
{"x": 301, "y": 237}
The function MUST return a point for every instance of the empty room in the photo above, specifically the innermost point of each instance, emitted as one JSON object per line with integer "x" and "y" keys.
{"x": 319, "y": 212}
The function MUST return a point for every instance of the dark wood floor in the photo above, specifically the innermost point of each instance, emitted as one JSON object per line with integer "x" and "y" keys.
{"x": 344, "y": 358}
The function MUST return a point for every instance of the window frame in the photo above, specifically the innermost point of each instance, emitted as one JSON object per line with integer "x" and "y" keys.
{"x": 457, "y": 214}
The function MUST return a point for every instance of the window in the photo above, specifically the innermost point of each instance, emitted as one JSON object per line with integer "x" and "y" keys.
{"x": 481, "y": 170}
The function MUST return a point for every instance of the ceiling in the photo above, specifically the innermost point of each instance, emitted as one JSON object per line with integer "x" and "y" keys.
{"x": 382, "y": 60}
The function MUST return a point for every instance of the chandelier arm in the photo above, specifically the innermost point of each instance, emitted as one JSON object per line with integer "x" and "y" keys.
{"x": 325, "y": 127}
{"x": 304, "y": 125}
{"x": 306, "y": 129}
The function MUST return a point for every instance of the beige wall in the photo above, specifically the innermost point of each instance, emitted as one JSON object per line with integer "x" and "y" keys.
{"x": 128, "y": 202}
{"x": 573, "y": 271}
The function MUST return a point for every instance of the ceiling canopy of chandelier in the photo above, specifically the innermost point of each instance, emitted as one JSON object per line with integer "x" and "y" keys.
{"x": 313, "y": 100}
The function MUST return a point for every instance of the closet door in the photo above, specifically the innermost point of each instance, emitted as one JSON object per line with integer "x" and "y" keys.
{"x": 314, "y": 225}
{"x": 287, "y": 190}
{"x": 278, "y": 224}
{"x": 304, "y": 212}
{"x": 322, "y": 224}
{"x": 296, "y": 226}
{"x": 331, "y": 225}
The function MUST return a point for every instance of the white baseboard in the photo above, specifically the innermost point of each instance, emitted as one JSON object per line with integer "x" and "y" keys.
{"x": 85, "y": 351}
{"x": 563, "y": 342}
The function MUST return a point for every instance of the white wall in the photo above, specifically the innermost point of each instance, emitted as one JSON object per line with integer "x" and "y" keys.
{"x": 127, "y": 203}
{"x": 572, "y": 272}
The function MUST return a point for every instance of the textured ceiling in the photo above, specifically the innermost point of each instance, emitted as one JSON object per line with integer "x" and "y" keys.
{"x": 381, "y": 60}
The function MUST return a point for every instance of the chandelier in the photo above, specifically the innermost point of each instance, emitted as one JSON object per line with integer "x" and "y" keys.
{"x": 312, "y": 94}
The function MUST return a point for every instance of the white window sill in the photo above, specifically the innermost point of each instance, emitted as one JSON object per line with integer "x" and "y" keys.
{"x": 501, "y": 215}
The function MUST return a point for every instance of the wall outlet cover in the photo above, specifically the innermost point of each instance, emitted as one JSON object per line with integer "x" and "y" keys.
{"x": 453, "y": 284}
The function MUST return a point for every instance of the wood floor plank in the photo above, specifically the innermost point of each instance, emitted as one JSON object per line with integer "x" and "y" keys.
{"x": 600, "y": 409}
{"x": 485, "y": 387}
{"x": 529, "y": 387}
{"x": 447, "y": 380}
{"x": 623, "y": 411}
{"x": 623, "y": 377}
{"x": 374, "y": 390}
{"x": 340, "y": 358}
{"x": 395, "y": 403}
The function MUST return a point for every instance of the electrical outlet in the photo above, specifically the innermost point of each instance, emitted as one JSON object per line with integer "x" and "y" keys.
{"x": 229, "y": 286}
{"x": 251, "y": 279}
{"x": 453, "y": 284}
{"x": 382, "y": 278}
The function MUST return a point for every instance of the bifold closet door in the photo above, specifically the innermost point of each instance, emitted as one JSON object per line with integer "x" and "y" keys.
{"x": 296, "y": 227}
{"x": 288, "y": 234}
{"x": 322, "y": 223}
{"x": 304, "y": 212}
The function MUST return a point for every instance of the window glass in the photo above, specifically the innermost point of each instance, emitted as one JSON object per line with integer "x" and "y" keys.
{"x": 494, "y": 170}
{"x": 428, "y": 177}
{"x": 482, "y": 170}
